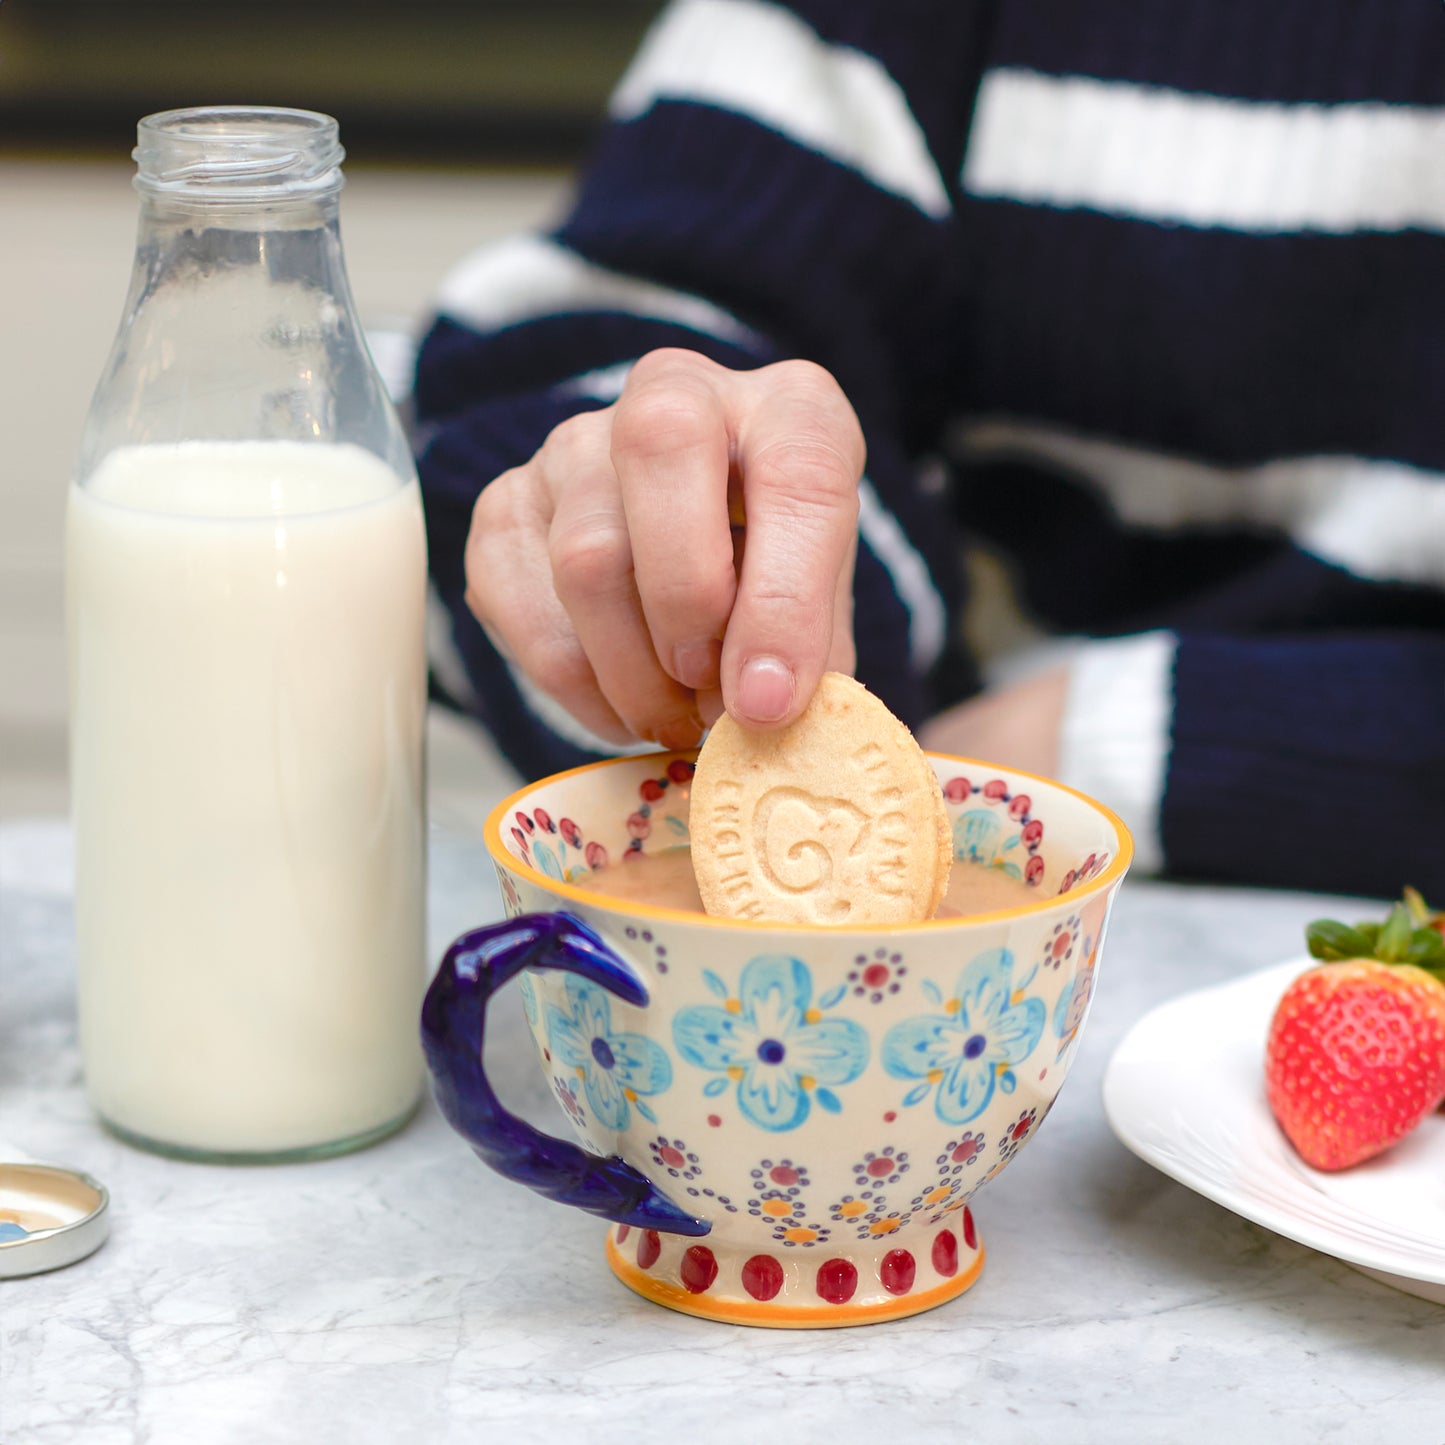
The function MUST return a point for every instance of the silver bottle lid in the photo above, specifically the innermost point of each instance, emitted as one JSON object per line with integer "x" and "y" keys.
{"x": 49, "y": 1217}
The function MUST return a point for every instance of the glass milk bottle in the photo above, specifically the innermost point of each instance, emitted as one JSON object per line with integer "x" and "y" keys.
{"x": 246, "y": 574}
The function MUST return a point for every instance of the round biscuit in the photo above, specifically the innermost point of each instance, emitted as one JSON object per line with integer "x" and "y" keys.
{"x": 836, "y": 820}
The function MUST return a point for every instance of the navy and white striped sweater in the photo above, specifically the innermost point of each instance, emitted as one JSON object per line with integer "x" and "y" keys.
{"x": 1146, "y": 303}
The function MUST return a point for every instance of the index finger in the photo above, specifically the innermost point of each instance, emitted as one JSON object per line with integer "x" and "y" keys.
{"x": 800, "y": 456}
{"x": 670, "y": 448}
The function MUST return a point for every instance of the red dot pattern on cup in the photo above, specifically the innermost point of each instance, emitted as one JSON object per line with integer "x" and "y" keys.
{"x": 945, "y": 1253}
{"x": 699, "y": 1269}
{"x": 897, "y": 1271}
{"x": 762, "y": 1277}
{"x": 837, "y": 1281}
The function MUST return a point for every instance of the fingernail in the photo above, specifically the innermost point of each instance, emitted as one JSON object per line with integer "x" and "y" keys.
{"x": 695, "y": 664}
{"x": 765, "y": 690}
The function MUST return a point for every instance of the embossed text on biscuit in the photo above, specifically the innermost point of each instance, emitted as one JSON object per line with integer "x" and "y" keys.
{"x": 724, "y": 825}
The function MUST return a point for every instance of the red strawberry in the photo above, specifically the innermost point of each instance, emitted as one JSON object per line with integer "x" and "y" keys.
{"x": 1356, "y": 1051}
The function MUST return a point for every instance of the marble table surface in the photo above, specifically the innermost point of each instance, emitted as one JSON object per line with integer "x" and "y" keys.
{"x": 406, "y": 1294}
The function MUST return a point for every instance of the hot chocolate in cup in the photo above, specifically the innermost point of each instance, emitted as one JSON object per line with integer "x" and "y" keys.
{"x": 786, "y": 1124}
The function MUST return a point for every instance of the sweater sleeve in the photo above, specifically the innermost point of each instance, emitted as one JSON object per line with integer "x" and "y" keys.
{"x": 773, "y": 181}
{"x": 1314, "y": 762}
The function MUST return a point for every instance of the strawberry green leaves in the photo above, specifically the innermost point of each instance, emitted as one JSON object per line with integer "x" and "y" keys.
{"x": 1410, "y": 935}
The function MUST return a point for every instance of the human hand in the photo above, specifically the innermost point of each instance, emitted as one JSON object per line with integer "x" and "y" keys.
{"x": 611, "y": 568}
{"x": 1016, "y": 726}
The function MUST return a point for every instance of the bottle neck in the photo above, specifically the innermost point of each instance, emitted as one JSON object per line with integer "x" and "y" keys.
{"x": 227, "y": 188}
{"x": 240, "y": 324}
{"x": 168, "y": 212}
{"x": 215, "y": 156}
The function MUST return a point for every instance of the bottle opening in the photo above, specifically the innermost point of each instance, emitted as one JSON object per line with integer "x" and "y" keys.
{"x": 241, "y": 152}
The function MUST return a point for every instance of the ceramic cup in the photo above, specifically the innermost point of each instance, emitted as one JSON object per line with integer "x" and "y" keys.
{"x": 785, "y": 1123}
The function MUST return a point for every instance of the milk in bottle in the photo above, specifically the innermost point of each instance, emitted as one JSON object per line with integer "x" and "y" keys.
{"x": 246, "y": 574}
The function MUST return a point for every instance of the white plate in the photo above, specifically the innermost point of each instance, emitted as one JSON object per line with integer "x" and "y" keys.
{"x": 1185, "y": 1092}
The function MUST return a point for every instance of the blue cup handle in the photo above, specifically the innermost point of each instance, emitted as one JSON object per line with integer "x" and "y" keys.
{"x": 453, "y": 1026}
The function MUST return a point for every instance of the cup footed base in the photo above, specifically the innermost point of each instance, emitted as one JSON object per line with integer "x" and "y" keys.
{"x": 912, "y": 1270}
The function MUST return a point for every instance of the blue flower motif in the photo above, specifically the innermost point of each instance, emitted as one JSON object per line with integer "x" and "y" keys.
{"x": 529, "y": 999}
{"x": 967, "y": 1051}
{"x": 773, "y": 1044}
{"x": 977, "y": 836}
{"x": 617, "y": 1069}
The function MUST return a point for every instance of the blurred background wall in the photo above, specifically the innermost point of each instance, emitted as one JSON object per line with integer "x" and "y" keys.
{"x": 463, "y": 120}
{"x": 490, "y": 81}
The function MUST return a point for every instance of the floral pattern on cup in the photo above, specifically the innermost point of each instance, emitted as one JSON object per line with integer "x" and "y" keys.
{"x": 721, "y": 1200}
{"x": 885, "y": 1224}
{"x": 658, "y": 950}
{"x": 617, "y": 1069}
{"x": 1001, "y": 832}
{"x": 511, "y": 899}
{"x": 851, "y": 1208}
{"x": 799, "y": 1232}
{"x": 781, "y": 1174}
{"x": 1073, "y": 1005}
{"x": 675, "y": 1157}
{"x": 529, "y": 1000}
{"x": 1061, "y": 942}
{"x": 544, "y": 842}
{"x": 970, "y": 1049}
{"x": 1091, "y": 867}
{"x": 950, "y": 1190}
{"x": 652, "y": 791}
{"x": 558, "y": 847}
{"x": 775, "y": 1204}
{"x": 1014, "y": 1136}
{"x": 878, "y": 975}
{"x": 878, "y": 1169}
{"x": 566, "y": 1092}
{"x": 772, "y": 1042}
{"x": 939, "y": 1200}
